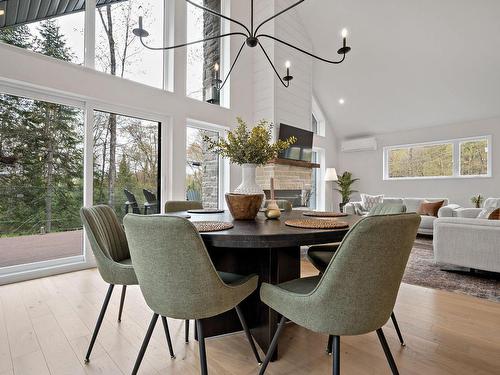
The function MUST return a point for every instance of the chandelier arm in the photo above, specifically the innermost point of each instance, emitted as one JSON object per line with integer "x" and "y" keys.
{"x": 274, "y": 68}
{"x": 278, "y": 14}
{"x": 301, "y": 50}
{"x": 219, "y": 15}
{"x": 232, "y": 66}
{"x": 189, "y": 43}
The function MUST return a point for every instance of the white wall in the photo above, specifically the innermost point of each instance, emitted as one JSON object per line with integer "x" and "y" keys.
{"x": 368, "y": 166}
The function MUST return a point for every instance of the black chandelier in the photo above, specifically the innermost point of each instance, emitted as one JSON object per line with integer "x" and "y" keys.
{"x": 251, "y": 39}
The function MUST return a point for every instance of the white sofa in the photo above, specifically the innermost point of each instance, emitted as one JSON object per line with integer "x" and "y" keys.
{"x": 463, "y": 240}
{"x": 412, "y": 205}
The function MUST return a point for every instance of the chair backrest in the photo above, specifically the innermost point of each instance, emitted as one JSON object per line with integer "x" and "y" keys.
{"x": 283, "y": 204}
{"x": 149, "y": 196}
{"x": 131, "y": 201}
{"x": 106, "y": 235}
{"x": 176, "y": 206}
{"x": 358, "y": 290}
{"x": 175, "y": 272}
{"x": 388, "y": 209}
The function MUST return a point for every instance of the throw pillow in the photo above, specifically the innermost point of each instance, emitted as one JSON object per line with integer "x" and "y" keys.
{"x": 486, "y": 212}
{"x": 495, "y": 215}
{"x": 370, "y": 201}
{"x": 429, "y": 208}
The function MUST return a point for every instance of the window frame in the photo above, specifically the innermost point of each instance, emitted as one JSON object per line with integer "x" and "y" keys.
{"x": 224, "y": 167}
{"x": 456, "y": 154}
{"x": 319, "y": 116}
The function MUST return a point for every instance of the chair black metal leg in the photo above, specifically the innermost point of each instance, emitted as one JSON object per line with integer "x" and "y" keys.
{"x": 329, "y": 345}
{"x": 248, "y": 334}
{"x": 186, "y": 339}
{"x": 167, "y": 335}
{"x": 336, "y": 355}
{"x": 203, "y": 353}
{"x": 273, "y": 345}
{"x": 398, "y": 331}
{"x": 145, "y": 343}
{"x": 99, "y": 321}
{"x": 387, "y": 352}
{"x": 122, "y": 300}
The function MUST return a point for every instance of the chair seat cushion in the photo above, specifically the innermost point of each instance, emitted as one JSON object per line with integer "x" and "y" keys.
{"x": 304, "y": 285}
{"x": 233, "y": 278}
{"x": 126, "y": 262}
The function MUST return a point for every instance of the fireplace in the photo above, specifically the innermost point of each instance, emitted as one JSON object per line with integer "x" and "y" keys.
{"x": 298, "y": 198}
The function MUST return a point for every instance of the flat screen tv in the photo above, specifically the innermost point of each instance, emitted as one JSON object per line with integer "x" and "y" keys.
{"x": 302, "y": 148}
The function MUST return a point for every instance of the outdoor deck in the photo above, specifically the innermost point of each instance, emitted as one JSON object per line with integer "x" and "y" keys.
{"x": 40, "y": 247}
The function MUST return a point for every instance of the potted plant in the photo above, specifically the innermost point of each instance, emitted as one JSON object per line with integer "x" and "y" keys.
{"x": 344, "y": 183}
{"x": 249, "y": 148}
{"x": 477, "y": 201}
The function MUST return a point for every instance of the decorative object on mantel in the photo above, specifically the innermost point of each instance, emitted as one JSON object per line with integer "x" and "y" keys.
{"x": 477, "y": 200}
{"x": 324, "y": 214}
{"x": 317, "y": 223}
{"x": 252, "y": 38}
{"x": 244, "y": 206}
{"x": 273, "y": 211}
{"x": 344, "y": 183}
{"x": 211, "y": 226}
{"x": 248, "y": 148}
{"x": 206, "y": 211}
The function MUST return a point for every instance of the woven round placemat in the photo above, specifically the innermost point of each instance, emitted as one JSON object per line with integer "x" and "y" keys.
{"x": 211, "y": 226}
{"x": 324, "y": 214}
{"x": 316, "y": 224}
{"x": 206, "y": 211}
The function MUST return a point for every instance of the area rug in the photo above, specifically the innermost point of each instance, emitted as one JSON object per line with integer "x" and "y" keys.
{"x": 422, "y": 271}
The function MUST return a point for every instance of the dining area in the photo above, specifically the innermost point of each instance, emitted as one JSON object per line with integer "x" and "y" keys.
{"x": 231, "y": 276}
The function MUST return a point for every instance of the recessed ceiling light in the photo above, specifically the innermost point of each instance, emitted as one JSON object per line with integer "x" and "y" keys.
{"x": 341, "y": 101}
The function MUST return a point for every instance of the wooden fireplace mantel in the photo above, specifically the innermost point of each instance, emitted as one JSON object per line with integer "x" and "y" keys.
{"x": 295, "y": 163}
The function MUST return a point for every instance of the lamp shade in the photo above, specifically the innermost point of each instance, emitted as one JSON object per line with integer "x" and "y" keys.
{"x": 331, "y": 174}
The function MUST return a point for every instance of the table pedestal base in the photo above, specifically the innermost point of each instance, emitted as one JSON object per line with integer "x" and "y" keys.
{"x": 274, "y": 266}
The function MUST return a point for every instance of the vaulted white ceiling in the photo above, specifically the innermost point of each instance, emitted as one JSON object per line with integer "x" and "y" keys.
{"x": 414, "y": 63}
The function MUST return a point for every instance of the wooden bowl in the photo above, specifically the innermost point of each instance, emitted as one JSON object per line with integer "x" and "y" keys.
{"x": 243, "y": 206}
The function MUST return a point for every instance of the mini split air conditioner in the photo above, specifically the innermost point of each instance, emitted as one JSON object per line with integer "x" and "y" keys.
{"x": 359, "y": 144}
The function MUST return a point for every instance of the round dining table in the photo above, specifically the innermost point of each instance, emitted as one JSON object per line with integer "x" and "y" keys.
{"x": 267, "y": 248}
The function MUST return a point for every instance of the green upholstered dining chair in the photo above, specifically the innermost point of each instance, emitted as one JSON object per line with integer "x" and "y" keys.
{"x": 321, "y": 255}
{"x": 178, "y": 279}
{"x": 283, "y": 204}
{"x": 357, "y": 292}
{"x": 177, "y": 206}
{"x": 109, "y": 245}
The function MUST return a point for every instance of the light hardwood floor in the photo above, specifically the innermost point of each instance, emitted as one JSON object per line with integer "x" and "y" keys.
{"x": 45, "y": 326}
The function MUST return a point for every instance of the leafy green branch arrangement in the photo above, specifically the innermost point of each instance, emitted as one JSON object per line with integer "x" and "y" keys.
{"x": 249, "y": 146}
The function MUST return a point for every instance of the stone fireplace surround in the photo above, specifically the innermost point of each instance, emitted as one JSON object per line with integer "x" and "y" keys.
{"x": 291, "y": 182}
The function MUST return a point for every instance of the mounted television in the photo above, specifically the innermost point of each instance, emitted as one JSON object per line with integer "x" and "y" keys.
{"x": 302, "y": 148}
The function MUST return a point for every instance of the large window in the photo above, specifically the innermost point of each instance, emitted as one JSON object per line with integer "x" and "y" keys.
{"x": 470, "y": 157}
{"x": 41, "y": 181}
{"x": 60, "y": 37}
{"x": 126, "y": 163}
{"x": 204, "y": 62}
{"x": 202, "y": 168}
{"x": 119, "y": 52}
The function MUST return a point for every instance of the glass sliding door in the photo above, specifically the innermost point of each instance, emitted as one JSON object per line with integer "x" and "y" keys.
{"x": 41, "y": 182}
{"x": 202, "y": 168}
{"x": 126, "y": 163}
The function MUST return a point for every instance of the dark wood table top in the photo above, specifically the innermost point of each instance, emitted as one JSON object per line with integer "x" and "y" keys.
{"x": 263, "y": 233}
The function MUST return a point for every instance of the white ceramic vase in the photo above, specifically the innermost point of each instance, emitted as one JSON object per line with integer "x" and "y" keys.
{"x": 249, "y": 184}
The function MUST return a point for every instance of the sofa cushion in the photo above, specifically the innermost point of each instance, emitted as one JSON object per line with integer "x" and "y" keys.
{"x": 430, "y": 208}
{"x": 427, "y": 222}
{"x": 370, "y": 201}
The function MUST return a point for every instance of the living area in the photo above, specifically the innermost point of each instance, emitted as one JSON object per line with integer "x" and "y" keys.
{"x": 249, "y": 187}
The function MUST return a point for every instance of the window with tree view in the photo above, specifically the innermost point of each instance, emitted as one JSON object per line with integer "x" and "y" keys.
{"x": 202, "y": 168}
{"x": 119, "y": 52}
{"x": 41, "y": 180}
{"x": 126, "y": 163}
{"x": 454, "y": 158}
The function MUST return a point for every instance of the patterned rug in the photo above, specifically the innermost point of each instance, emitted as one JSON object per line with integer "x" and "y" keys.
{"x": 422, "y": 271}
